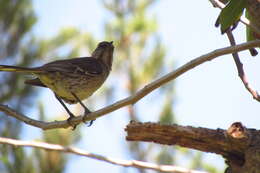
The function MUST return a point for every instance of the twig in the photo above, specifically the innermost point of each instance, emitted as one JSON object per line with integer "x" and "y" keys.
{"x": 240, "y": 69}
{"x": 77, "y": 151}
{"x": 138, "y": 95}
{"x": 235, "y": 55}
{"x": 244, "y": 20}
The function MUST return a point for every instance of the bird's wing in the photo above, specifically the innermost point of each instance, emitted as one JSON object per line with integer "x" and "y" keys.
{"x": 35, "y": 82}
{"x": 85, "y": 65}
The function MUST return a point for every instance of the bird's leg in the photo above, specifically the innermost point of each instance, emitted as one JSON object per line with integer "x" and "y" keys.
{"x": 87, "y": 111}
{"x": 67, "y": 110}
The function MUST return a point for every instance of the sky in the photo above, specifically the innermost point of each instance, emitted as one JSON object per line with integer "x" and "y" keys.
{"x": 211, "y": 95}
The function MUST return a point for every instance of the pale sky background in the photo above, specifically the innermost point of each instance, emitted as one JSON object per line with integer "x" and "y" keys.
{"x": 210, "y": 95}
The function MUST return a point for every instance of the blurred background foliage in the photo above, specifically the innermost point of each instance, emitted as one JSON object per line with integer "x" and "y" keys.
{"x": 140, "y": 58}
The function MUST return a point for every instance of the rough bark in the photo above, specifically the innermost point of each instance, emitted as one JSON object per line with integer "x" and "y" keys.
{"x": 238, "y": 145}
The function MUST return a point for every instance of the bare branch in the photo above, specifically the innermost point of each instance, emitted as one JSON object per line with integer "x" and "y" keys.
{"x": 138, "y": 95}
{"x": 77, "y": 151}
{"x": 239, "y": 65}
{"x": 203, "y": 139}
{"x": 240, "y": 69}
{"x": 238, "y": 145}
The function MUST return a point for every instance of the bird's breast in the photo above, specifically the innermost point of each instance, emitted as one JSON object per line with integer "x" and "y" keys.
{"x": 81, "y": 85}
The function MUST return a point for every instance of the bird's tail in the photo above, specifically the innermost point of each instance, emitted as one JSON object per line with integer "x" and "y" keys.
{"x": 18, "y": 69}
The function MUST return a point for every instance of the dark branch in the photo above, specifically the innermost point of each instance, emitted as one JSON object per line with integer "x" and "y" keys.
{"x": 237, "y": 144}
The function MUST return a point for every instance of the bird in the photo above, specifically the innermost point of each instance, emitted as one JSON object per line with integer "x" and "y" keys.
{"x": 72, "y": 80}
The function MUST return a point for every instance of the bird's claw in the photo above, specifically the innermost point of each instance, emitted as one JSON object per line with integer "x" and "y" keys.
{"x": 89, "y": 123}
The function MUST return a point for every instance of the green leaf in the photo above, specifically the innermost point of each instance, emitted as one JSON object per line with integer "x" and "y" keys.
{"x": 231, "y": 14}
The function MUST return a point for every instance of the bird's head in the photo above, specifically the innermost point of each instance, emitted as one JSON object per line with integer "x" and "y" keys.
{"x": 104, "y": 52}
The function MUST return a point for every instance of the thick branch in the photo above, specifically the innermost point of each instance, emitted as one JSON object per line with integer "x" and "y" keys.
{"x": 77, "y": 151}
{"x": 236, "y": 145}
{"x": 137, "y": 96}
{"x": 203, "y": 139}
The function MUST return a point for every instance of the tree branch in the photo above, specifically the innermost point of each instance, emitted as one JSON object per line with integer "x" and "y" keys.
{"x": 239, "y": 65}
{"x": 240, "y": 69}
{"x": 77, "y": 151}
{"x": 238, "y": 145}
{"x": 138, "y": 95}
{"x": 203, "y": 139}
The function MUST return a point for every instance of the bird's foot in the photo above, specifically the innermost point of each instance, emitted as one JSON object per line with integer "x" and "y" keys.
{"x": 70, "y": 123}
{"x": 87, "y": 111}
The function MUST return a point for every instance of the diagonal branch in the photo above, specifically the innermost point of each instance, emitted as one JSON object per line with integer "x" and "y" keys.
{"x": 77, "y": 151}
{"x": 240, "y": 69}
{"x": 138, "y": 95}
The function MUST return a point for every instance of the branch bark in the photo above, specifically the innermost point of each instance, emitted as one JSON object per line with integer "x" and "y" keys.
{"x": 238, "y": 145}
{"x": 77, "y": 151}
{"x": 138, "y": 95}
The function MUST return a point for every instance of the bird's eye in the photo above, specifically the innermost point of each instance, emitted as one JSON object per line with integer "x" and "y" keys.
{"x": 103, "y": 44}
